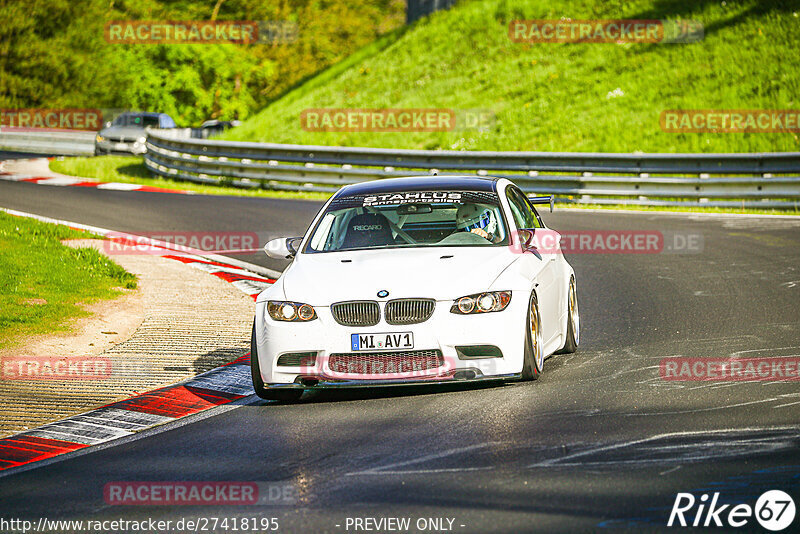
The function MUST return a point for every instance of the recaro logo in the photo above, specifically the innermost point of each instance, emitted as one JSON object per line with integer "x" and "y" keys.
{"x": 367, "y": 227}
{"x": 774, "y": 510}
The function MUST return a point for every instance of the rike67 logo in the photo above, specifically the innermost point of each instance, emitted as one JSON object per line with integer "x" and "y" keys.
{"x": 774, "y": 510}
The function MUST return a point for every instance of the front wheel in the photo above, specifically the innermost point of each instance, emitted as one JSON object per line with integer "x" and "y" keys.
{"x": 286, "y": 395}
{"x": 534, "y": 355}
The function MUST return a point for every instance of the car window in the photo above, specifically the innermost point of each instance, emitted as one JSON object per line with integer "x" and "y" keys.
{"x": 410, "y": 219}
{"x": 167, "y": 122}
{"x": 521, "y": 209}
{"x": 142, "y": 121}
{"x": 537, "y": 219}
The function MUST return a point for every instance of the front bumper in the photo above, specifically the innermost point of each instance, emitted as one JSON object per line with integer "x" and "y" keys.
{"x": 444, "y": 331}
{"x": 127, "y": 147}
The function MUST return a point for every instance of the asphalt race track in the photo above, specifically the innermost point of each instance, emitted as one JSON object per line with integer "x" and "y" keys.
{"x": 601, "y": 441}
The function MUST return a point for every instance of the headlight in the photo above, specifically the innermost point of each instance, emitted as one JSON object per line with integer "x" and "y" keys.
{"x": 491, "y": 301}
{"x": 291, "y": 311}
{"x": 99, "y": 138}
{"x": 141, "y": 140}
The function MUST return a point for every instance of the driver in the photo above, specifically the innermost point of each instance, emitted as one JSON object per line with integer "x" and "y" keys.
{"x": 479, "y": 220}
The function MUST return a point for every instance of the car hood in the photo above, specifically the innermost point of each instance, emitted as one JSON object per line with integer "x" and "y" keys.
{"x": 439, "y": 273}
{"x": 123, "y": 131}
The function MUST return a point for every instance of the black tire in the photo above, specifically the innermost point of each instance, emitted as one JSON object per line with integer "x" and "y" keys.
{"x": 286, "y": 395}
{"x": 534, "y": 359}
{"x": 573, "y": 320}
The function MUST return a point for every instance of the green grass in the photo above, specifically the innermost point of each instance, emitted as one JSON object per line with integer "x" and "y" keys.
{"x": 35, "y": 265}
{"x": 560, "y": 97}
{"x": 131, "y": 169}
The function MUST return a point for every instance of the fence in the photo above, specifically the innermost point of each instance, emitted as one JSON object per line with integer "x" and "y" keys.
{"x": 53, "y": 143}
{"x": 762, "y": 180}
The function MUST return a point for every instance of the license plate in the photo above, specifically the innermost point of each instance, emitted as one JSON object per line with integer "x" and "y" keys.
{"x": 121, "y": 146}
{"x": 382, "y": 341}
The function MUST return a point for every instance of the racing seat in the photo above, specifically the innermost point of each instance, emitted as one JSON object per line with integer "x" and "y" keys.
{"x": 367, "y": 229}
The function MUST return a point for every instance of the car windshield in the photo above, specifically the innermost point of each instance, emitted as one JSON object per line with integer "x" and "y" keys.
{"x": 410, "y": 219}
{"x": 142, "y": 121}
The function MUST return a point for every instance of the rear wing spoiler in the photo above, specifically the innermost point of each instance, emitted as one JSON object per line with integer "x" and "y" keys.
{"x": 550, "y": 199}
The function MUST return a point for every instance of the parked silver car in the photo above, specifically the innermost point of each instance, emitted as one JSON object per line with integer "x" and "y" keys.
{"x": 127, "y": 133}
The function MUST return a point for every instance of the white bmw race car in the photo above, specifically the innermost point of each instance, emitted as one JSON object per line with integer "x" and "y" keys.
{"x": 415, "y": 280}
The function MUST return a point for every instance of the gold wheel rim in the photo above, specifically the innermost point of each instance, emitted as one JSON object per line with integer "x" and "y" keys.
{"x": 535, "y": 335}
{"x": 573, "y": 311}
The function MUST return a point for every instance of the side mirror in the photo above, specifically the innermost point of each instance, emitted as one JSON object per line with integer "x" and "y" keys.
{"x": 525, "y": 238}
{"x": 282, "y": 248}
{"x": 108, "y": 124}
{"x": 293, "y": 244}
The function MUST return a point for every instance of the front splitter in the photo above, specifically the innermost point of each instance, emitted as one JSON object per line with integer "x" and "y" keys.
{"x": 312, "y": 382}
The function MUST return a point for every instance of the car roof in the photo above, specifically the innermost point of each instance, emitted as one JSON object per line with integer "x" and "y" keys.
{"x": 422, "y": 183}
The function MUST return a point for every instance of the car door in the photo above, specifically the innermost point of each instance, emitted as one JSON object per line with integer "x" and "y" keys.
{"x": 542, "y": 261}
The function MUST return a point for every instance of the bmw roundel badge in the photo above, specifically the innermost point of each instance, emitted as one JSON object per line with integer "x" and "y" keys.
{"x": 383, "y": 293}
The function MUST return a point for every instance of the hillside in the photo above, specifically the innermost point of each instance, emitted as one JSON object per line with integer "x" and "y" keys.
{"x": 561, "y": 97}
{"x": 55, "y": 54}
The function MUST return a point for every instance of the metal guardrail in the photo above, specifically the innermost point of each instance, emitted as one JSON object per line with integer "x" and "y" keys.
{"x": 74, "y": 142}
{"x": 56, "y": 143}
{"x": 722, "y": 180}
